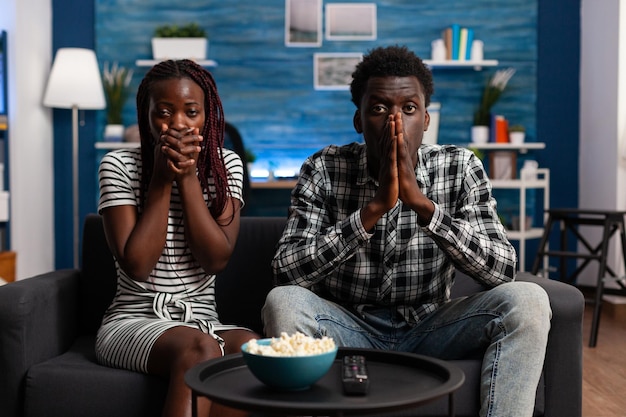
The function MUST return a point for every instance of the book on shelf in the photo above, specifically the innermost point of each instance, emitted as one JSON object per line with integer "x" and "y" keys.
{"x": 469, "y": 42}
{"x": 499, "y": 131}
{"x": 462, "y": 44}
{"x": 458, "y": 41}
{"x": 447, "y": 39}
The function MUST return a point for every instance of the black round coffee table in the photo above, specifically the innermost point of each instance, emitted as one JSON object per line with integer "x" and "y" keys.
{"x": 397, "y": 381}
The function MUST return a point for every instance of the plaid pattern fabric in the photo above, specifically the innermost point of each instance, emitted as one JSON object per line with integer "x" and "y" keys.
{"x": 399, "y": 263}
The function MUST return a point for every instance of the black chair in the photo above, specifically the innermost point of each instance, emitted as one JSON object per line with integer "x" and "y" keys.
{"x": 234, "y": 142}
{"x": 569, "y": 220}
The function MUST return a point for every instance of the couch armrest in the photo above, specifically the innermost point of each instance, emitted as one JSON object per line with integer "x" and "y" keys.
{"x": 563, "y": 363}
{"x": 37, "y": 322}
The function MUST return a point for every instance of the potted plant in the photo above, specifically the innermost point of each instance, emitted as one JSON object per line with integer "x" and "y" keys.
{"x": 179, "y": 42}
{"x": 517, "y": 134}
{"x": 116, "y": 82}
{"x": 491, "y": 93}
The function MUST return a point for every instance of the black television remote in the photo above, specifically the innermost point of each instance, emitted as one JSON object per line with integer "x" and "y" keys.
{"x": 354, "y": 375}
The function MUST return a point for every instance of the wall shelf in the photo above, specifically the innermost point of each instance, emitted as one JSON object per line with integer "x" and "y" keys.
{"x": 522, "y": 147}
{"x": 117, "y": 145}
{"x": 153, "y": 62}
{"x": 454, "y": 64}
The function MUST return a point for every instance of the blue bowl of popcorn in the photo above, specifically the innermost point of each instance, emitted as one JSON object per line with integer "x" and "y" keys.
{"x": 291, "y": 363}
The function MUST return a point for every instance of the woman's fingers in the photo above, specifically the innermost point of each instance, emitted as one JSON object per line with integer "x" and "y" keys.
{"x": 182, "y": 158}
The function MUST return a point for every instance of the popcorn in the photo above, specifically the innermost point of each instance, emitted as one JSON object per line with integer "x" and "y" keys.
{"x": 296, "y": 345}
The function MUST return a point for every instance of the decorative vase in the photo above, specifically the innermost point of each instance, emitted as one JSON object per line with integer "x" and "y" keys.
{"x": 480, "y": 134}
{"x": 113, "y": 133}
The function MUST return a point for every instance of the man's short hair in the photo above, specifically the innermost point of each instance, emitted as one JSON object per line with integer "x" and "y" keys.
{"x": 390, "y": 61}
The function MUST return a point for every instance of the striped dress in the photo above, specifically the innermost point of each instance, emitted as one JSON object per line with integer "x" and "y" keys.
{"x": 178, "y": 291}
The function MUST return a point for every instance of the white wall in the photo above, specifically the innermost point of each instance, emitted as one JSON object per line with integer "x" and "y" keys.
{"x": 29, "y": 27}
{"x": 602, "y": 174}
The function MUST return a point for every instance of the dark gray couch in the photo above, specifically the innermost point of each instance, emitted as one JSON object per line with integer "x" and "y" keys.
{"x": 48, "y": 323}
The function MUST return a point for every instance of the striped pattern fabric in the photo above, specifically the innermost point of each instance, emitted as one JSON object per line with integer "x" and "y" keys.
{"x": 399, "y": 263}
{"x": 178, "y": 291}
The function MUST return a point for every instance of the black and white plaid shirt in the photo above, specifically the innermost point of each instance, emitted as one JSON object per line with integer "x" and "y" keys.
{"x": 401, "y": 264}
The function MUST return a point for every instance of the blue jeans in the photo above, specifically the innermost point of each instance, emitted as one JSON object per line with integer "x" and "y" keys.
{"x": 507, "y": 326}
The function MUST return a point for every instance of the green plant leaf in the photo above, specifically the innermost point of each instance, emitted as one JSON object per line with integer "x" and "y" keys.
{"x": 116, "y": 82}
{"x": 190, "y": 30}
{"x": 491, "y": 94}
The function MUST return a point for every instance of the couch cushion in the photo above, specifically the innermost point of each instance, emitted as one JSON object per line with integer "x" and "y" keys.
{"x": 75, "y": 385}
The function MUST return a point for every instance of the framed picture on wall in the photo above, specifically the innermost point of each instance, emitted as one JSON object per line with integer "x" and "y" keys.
{"x": 351, "y": 21}
{"x": 303, "y": 23}
{"x": 333, "y": 71}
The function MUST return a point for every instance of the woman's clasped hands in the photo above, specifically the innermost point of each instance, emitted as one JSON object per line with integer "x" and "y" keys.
{"x": 179, "y": 150}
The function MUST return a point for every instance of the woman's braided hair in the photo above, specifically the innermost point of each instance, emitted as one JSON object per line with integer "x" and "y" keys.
{"x": 210, "y": 161}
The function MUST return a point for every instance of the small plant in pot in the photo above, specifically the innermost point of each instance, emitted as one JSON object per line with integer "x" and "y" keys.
{"x": 179, "y": 42}
{"x": 517, "y": 134}
{"x": 116, "y": 82}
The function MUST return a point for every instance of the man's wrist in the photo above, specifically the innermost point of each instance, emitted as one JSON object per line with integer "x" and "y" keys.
{"x": 425, "y": 213}
{"x": 370, "y": 214}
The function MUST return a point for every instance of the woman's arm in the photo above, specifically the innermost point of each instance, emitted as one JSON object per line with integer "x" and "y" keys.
{"x": 137, "y": 241}
{"x": 210, "y": 240}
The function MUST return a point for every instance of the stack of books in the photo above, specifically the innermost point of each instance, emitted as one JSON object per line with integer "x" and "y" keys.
{"x": 499, "y": 131}
{"x": 458, "y": 41}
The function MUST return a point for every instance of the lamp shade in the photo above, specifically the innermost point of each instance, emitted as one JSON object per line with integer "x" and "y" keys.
{"x": 75, "y": 81}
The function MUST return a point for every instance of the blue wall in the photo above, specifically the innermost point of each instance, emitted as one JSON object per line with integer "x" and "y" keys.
{"x": 267, "y": 88}
{"x": 73, "y": 23}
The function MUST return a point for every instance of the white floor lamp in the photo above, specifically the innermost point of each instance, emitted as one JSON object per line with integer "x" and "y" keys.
{"x": 75, "y": 83}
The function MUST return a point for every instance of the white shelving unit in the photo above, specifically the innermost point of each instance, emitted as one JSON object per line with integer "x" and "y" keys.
{"x": 451, "y": 64}
{"x": 541, "y": 182}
